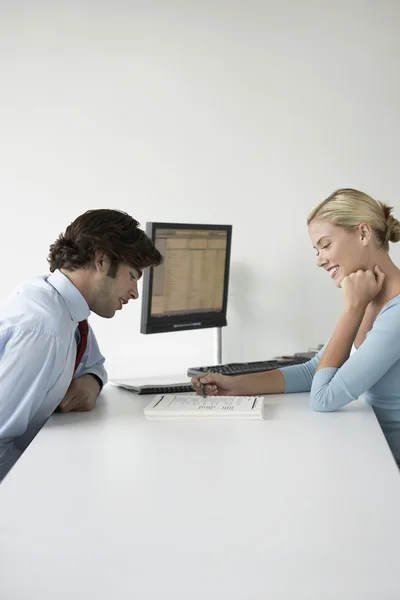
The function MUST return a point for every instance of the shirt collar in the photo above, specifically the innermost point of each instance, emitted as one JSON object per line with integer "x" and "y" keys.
{"x": 75, "y": 302}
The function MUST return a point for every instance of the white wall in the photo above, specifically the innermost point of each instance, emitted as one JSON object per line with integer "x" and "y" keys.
{"x": 247, "y": 113}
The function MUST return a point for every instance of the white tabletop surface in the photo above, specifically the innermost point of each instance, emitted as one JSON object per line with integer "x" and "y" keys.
{"x": 302, "y": 505}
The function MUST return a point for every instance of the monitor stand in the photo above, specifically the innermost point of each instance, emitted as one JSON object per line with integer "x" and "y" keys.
{"x": 218, "y": 346}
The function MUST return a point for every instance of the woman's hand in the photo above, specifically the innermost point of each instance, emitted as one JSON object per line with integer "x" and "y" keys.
{"x": 361, "y": 287}
{"x": 210, "y": 384}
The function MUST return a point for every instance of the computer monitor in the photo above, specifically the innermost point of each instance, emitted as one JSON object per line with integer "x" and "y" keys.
{"x": 189, "y": 290}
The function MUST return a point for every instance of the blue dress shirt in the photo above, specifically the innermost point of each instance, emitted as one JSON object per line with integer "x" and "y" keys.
{"x": 38, "y": 345}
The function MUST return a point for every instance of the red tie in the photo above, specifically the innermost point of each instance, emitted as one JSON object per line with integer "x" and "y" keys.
{"x": 83, "y": 330}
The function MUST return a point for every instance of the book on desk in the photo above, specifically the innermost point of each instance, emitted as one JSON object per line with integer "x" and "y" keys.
{"x": 165, "y": 384}
{"x": 171, "y": 406}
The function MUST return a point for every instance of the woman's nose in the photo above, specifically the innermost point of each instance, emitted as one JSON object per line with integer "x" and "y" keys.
{"x": 321, "y": 261}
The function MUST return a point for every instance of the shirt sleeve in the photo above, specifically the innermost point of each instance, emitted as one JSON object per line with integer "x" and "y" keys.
{"x": 92, "y": 362}
{"x": 26, "y": 373}
{"x": 298, "y": 378}
{"x": 332, "y": 388}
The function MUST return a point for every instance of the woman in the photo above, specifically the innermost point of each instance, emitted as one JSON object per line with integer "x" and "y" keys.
{"x": 351, "y": 233}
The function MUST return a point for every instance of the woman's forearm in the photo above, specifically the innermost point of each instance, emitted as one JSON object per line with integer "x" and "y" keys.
{"x": 269, "y": 382}
{"x": 339, "y": 347}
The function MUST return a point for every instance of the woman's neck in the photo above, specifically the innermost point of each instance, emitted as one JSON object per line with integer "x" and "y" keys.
{"x": 391, "y": 284}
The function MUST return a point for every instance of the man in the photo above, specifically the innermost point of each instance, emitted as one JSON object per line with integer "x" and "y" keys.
{"x": 49, "y": 357}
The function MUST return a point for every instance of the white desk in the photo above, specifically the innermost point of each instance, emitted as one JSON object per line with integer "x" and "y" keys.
{"x": 300, "y": 506}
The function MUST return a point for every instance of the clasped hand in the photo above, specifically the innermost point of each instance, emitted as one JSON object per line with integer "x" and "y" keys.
{"x": 362, "y": 287}
{"x": 81, "y": 394}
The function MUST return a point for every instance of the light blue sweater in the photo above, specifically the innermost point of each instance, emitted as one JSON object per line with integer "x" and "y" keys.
{"x": 373, "y": 371}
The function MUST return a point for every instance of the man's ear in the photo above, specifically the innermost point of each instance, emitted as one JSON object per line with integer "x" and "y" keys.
{"x": 101, "y": 261}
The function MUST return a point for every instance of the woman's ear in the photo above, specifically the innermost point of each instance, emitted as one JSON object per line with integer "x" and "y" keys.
{"x": 365, "y": 233}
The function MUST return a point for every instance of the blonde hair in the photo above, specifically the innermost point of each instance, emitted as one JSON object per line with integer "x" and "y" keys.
{"x": 348, "y": 208}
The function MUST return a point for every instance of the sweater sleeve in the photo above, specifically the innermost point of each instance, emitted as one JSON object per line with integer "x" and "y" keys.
{"x": 298, "y": 378}
{"x": 332, "y": 388}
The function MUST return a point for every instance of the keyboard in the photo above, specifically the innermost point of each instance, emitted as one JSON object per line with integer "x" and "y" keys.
{"x": 247, "y": 368}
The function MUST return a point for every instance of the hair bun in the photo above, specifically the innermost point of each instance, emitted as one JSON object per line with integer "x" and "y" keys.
{"x": 392, "y": 224}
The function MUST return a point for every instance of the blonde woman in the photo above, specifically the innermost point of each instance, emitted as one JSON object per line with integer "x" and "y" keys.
{"x": 350, "y": 232}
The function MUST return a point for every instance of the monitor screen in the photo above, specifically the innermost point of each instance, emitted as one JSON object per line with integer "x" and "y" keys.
{"x": 189, "y": 290}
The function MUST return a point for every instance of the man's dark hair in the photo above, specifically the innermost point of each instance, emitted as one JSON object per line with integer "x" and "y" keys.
{"x": 113, "y": 232}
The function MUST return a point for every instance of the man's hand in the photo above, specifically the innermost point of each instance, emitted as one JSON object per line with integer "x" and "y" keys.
{"x": 81, "y": 394}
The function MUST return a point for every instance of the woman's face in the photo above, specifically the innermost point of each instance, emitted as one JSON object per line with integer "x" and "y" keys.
{"x": 340, "y": 252}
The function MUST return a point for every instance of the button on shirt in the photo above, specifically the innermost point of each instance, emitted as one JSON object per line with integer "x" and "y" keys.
{"x": 38, "y": 345}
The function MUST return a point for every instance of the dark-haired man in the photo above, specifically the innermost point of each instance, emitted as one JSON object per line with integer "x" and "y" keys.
{"x": 49, "y": 357}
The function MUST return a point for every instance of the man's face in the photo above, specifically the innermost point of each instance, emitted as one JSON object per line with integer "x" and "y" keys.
{"x": 112, "y": 293}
